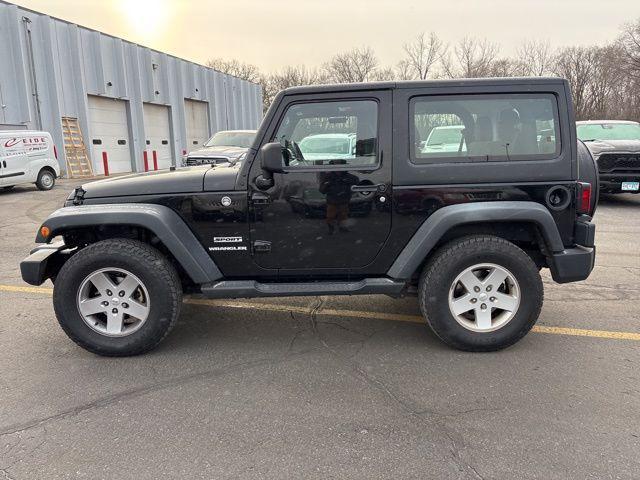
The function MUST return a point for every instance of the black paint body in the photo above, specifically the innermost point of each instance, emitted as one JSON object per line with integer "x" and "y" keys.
{"x": 285, "y": 229}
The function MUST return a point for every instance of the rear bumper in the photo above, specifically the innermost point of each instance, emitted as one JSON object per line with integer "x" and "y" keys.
{"x": 43, "y": 262}
{"x": 575, "y": 264}
{"x": 572, "y": 264}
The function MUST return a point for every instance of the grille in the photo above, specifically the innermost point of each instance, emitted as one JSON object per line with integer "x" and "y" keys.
{"x": 193, "y": 161}
{"x": 610, "y": 162}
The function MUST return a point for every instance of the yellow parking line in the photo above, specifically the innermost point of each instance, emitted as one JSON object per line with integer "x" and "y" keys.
{"x": 12, "y": 288}
{"x": 396, "y": 317}
{"x": 579, "y": 332}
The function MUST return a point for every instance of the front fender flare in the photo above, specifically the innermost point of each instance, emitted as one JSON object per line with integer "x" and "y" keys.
{"x": 165, "y": 223}
{"x": 445, "y": 218}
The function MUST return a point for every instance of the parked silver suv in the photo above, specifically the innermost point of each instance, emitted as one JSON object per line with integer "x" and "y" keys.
{"x": 227, "y": 146}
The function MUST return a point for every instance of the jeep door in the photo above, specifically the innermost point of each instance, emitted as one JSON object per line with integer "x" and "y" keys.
{"x": 330, "y": 209}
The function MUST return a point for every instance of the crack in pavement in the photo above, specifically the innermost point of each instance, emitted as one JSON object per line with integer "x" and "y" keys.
{"x": 380, "y": 386}
{"x": 139, "y": 391}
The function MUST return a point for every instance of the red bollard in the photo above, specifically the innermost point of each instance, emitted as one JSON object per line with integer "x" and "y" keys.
{"x": 105, "y": 164}
{"x": 145, "y": 156}
{"x": 155, "y": 160}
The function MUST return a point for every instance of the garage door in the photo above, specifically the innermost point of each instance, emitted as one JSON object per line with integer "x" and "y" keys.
{"x": 109, "y": 133}
{"x": 197, "y": 123}
{"x": 158, "y": 141}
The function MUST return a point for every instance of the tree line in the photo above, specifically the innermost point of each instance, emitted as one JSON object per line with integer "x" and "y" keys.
{"x": 605, "y": 80}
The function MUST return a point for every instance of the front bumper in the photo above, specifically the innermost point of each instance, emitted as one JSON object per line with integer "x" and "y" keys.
{"x": 43, "y": 262}
{"x": 612, "y": 182}
{"x": 576, "y": 263}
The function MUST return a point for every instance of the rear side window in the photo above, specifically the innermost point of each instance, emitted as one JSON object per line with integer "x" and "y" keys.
{"x": 330, "y": 133}
{"x": 484, "y": 128}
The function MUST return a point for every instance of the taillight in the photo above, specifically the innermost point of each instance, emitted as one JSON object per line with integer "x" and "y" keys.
{"x": 55, "y": 152}
{"x": 584, "y": 198}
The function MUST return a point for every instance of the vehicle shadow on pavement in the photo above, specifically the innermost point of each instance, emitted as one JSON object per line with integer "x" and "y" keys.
{"x": 620, "y": 200}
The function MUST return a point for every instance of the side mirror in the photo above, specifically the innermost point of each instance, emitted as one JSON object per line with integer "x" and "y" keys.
{"x": 271, "y": 159}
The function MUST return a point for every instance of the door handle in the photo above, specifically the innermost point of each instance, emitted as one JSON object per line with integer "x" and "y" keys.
{"x": 261, "y": 246}
{"x": 381, "y": 187}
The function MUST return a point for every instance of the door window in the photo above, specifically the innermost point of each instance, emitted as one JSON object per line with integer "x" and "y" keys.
{"x": 484, "y": 127}
{"x": 330, "y": 133}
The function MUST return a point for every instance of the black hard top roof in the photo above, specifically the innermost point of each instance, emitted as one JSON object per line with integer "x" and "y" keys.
{"x": 458, "y": 82}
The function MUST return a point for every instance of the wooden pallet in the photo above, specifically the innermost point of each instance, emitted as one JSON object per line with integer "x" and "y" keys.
{"x": 78, "y": 161}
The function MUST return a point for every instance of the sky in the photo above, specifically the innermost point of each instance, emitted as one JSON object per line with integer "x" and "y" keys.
{"x": 275, "y": 33}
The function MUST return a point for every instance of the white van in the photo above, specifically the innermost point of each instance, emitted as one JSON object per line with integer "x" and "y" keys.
{"x": 27, "y": 156}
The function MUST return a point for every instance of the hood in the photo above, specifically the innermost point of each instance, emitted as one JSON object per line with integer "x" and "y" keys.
{"x": 208, "y": 152}
{"x": 614, "y": 146}
{"x": 163, "y": 182}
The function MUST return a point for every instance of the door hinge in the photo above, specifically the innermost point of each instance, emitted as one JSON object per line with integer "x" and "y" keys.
{"x": 261, "y": 246}
{"x": 260, "y": 198}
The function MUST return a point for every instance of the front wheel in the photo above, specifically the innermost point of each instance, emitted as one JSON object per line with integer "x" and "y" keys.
{"x": 117, "y": 297}
{"x": 481, "y": 293}
{"x": 46, "y": 180}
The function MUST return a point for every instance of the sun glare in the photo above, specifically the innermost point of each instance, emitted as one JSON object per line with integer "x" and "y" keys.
{"x": 146, "y": 18}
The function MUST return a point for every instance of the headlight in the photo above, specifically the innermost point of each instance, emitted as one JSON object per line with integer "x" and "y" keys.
{"x": 183, "y": 161}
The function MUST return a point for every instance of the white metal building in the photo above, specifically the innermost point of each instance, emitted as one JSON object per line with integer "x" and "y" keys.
{"x": 126, "y": 99}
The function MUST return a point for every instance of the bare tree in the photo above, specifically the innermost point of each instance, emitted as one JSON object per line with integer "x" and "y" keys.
{"x": 472, "y": 58}
{"x": 577, "y": 65}
{"x": 536, "y": 58}
{"x": 629, "y": 41}
{"x": 245, "y": 71}
{"x": 290, "y": 77}
{"x": 505, "y": 67}
{"x": 357, "y": 65}
{"x": 421, "y": 56}
{"x": 404, "y": 71}
{"x": 384, "y": 74}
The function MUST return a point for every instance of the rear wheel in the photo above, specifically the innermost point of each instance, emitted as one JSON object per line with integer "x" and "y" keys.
{"x": 480, "y": 293}
{"x": 46, "y": 180}
{"x": 117, "y": 297}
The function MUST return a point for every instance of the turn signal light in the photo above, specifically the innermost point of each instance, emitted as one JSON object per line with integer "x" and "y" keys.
{"x": 584, "y": 197}
{"x": 45, "y": 231}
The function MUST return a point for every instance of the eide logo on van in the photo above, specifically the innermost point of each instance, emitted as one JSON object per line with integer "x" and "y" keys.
{"x": 12, "y": 142}
{"x": 21, "y": 145}
{"x": 26, "y": 141}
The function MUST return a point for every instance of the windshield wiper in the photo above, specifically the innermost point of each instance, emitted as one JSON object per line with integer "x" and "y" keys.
{"x": 591, "y": 140}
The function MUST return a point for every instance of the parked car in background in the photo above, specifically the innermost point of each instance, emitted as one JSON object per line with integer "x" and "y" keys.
{"x": 227, "y": 146}
{"x": 444, "y": 139}
{"x": 329, "y": 146}
{"x": 28, "y": 156}
{"x": 615, "y": 144}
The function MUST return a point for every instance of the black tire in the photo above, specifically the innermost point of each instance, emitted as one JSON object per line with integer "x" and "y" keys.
{"x": 450, "y": 261}
{"x": 46, "y": 180}
{"x": 145, "y": 262}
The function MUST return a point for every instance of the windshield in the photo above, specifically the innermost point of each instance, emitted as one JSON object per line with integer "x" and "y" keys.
{"x": 608, "y": 131}
{"x": 439, "y": 136}
{"x": 231, "y": 139}
{"x": 325, "y": 145}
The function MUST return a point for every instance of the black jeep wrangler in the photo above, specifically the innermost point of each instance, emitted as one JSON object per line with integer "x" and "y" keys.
{"x": 458, "y": 192}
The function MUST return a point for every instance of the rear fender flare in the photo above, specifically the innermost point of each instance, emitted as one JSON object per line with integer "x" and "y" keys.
{"x": 446, "y": 218}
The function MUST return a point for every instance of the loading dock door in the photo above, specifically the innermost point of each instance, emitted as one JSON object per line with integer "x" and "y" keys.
{"x": 158, "y": 132}
{"x": 109, "y": 132}
{"x": 197, "y": 120}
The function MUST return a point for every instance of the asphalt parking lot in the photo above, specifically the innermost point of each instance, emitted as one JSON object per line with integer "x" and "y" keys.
{"x": 325, "y": 387}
